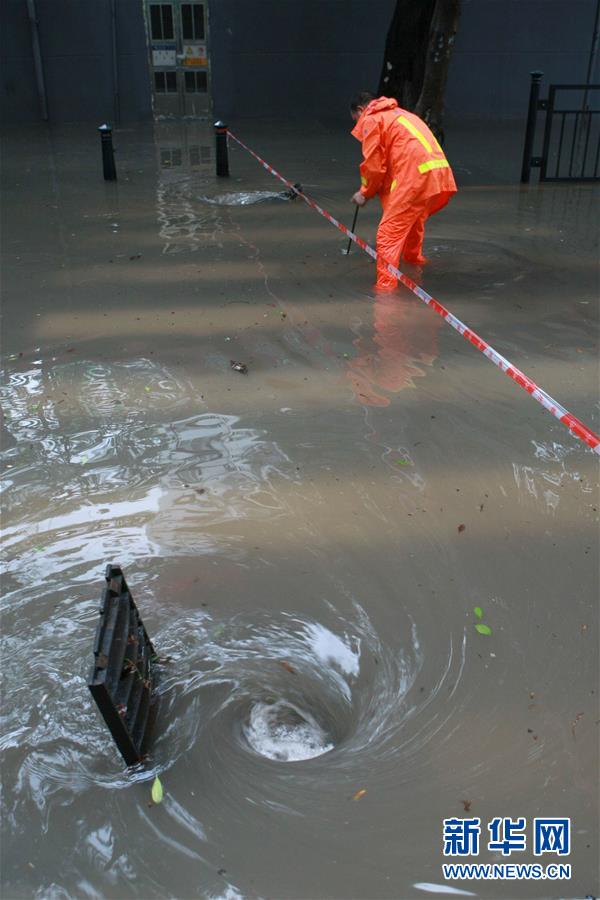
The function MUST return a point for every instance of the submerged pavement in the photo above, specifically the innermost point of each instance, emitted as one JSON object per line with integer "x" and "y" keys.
{"x": 309, "y": 541}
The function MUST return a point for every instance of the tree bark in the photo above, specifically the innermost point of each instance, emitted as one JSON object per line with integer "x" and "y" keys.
{"x": 404, "y": 59}
{"x": 418, "y": 48}
{"x": 442, "y": 33}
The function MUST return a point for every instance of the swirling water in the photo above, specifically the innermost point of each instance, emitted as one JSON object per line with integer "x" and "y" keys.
{"x": 293, "y": 539}
{"x": 100, "y": 467}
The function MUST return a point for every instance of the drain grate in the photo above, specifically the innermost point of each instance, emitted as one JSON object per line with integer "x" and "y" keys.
{"x": 123, "y": 673}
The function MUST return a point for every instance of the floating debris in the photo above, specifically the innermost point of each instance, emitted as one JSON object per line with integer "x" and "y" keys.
{"x": 242, "y": 368}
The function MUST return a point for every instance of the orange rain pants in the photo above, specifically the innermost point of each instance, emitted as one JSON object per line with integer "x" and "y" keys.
{"x": 404, "y": 164}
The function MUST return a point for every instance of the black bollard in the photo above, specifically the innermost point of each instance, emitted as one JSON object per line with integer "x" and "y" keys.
{"x": 108, "y": 153}
{"x": 221, "y": 146}
{"x": 534, "y": 96}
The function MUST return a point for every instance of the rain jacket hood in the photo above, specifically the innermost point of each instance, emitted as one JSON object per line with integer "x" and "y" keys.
{"x": 379, "y": 105}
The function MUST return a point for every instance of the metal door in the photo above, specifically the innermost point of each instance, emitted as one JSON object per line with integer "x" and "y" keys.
{"x": 178, "y": 52}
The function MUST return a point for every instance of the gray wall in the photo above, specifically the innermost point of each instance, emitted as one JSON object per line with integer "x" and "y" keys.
{"x": 286, "y": 58}
{"x": 295, "y": 58}
{"x": 76, "y": 45}
{"x": 305, "y": 57}
{"x": 500, "y": 41}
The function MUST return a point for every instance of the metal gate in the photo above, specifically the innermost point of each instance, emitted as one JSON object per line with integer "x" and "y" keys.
{"x": 571, "y": 142}
{"x": 178, "y": 48}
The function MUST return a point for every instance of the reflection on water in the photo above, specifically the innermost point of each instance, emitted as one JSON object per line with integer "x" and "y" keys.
{"x": 403, "y": 343}
{"x": 91, "y": 447}
{"x": 185, "y": 224}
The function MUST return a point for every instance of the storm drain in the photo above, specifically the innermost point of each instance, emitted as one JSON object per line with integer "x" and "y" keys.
{"x": 123, "y": 673}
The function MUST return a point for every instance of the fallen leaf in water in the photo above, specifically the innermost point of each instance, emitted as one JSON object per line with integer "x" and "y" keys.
{"x": 478, "y": 612}
{"x": 466, "y": 805}
{"x": 483, "y": 629}
{"x": 359, "y": 794}
{"x": 157, "y": 790}
{"x": 461, "y": 528}
{"x": 403, "y": 462}
{"x": 288, "y": 668}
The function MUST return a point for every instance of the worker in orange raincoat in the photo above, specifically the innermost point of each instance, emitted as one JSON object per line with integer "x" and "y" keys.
{"x": 404, "y": 164}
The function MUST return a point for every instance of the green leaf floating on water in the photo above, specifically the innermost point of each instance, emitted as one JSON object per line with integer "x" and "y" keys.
{"x": 478, "y": 612}
{"x": 483, "y": 629}
{"x": 157, "y": 790}
{"x": 403, "y": 462}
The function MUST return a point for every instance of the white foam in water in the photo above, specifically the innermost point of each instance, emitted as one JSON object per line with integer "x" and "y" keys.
{"x": 282, "y": 731}
{"x": 329, "y": 648}
{"x": 442, "y": 889}
{"x": 244, "y": 198}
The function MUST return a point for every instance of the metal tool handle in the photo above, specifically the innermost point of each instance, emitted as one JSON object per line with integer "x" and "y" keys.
{"x": 353, "y": 227}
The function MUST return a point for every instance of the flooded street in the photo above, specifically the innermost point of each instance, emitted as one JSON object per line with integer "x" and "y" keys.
{"x": 308, "y": 541}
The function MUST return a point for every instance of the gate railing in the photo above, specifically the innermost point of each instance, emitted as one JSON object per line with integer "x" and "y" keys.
{"x": 571, "y": 143}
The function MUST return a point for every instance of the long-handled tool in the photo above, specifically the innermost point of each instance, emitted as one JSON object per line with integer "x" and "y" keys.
{"x": 352, "y": 229}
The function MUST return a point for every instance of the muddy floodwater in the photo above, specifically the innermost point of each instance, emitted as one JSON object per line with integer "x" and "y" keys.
{"x": 309, "y": 541}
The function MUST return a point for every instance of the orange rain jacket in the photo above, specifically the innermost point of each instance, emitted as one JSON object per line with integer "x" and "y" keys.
{"x": 402, "y": 161}
{"x": 406, "y": 166}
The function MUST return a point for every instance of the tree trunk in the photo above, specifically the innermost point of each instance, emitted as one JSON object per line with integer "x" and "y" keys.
{"x": 404, "y": 58}
{"x": 417, "y": 56}
{"x": 430, "y": 105}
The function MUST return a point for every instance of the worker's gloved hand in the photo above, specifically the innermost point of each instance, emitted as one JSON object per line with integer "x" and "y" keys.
{"x": 358, "y": 198}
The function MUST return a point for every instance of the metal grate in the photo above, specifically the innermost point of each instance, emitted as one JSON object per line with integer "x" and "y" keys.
{"x": 122, "y": 676}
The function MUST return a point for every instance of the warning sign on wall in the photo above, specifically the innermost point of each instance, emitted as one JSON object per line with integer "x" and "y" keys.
{"x": 163, "y": 57}
{"x": 194, "y": 55}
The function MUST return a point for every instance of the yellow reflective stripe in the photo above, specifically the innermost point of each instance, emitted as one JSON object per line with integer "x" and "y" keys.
{"x": 415, "y": 132}
{"x": 363, "y": 180}
{"x": 393, "y": 185}
{"x": 434, "y": 164}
